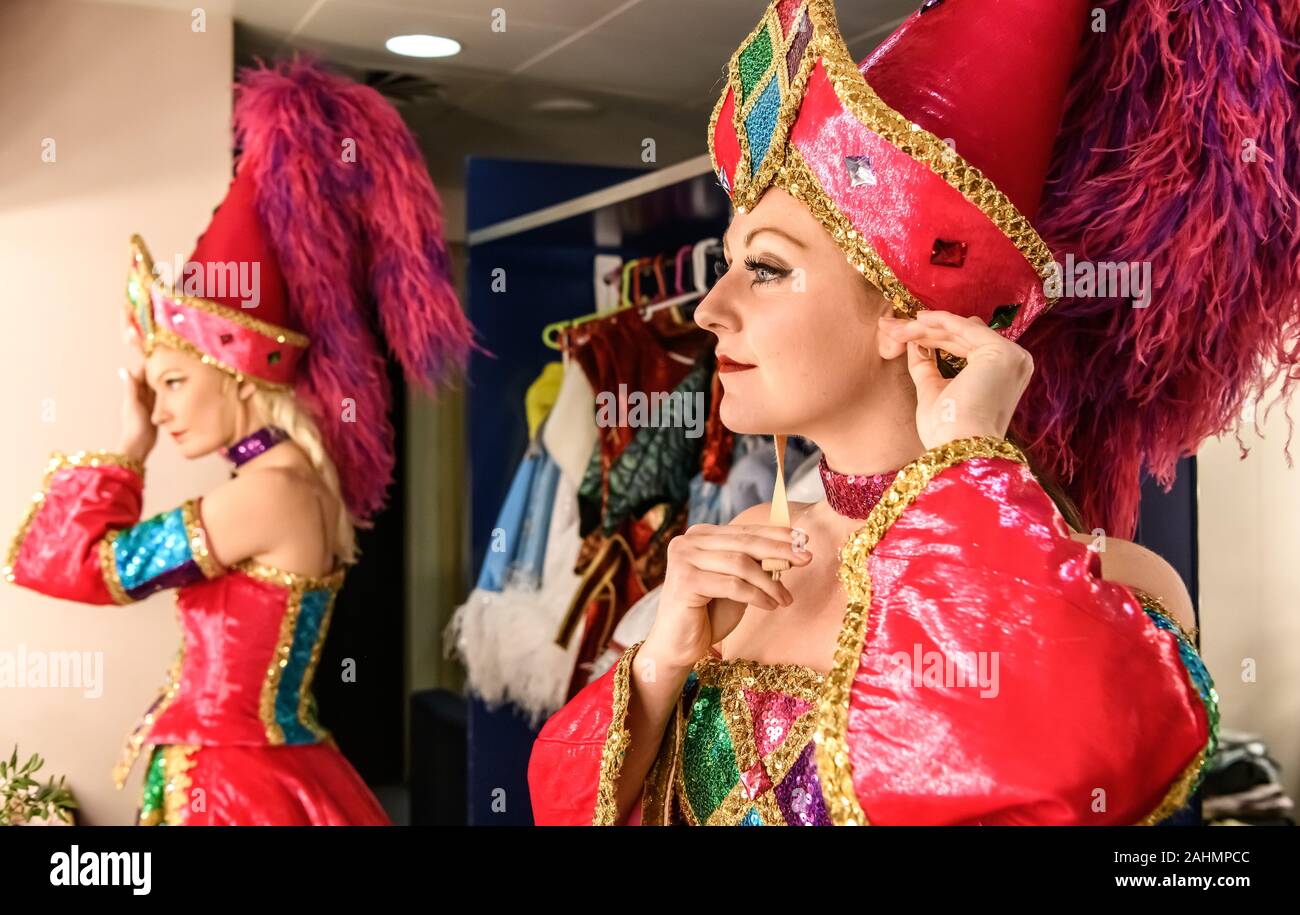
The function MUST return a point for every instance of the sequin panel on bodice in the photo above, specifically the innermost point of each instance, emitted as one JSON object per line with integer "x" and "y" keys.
{"x": 747, "y": 748}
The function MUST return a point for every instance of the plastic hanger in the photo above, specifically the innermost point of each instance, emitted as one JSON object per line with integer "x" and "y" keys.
{"x": 631, "y": 286}
{"x": 700, "y": 262}
{"x": 681, "y": 253}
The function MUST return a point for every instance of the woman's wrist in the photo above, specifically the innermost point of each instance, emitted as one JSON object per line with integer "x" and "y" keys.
{"x": 654, "y": 659}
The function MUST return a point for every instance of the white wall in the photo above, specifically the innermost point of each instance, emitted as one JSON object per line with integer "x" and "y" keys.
{"x": 138, "y": 107}
{"x": 1249, "y": 526}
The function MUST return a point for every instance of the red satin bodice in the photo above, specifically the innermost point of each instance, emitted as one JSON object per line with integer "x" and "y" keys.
{"x": 986, "y": 674}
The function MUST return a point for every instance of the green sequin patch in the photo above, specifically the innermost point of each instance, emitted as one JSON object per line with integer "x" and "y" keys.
{"x": 155, "y": 780}
{"x": 708, "y": 758}
{"x": 754, "y": 61}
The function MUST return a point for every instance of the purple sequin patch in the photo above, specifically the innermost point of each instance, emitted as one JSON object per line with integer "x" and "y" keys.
{"x": 800, "y": 794}
{"x": 794, "y": 55}
{"x": 256, "y": 444}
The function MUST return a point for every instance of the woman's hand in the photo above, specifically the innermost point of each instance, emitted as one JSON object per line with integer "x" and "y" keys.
{"x": 715, "y": 571}
{"x": 983, "y": 396}
{"x": 139, "y": 434}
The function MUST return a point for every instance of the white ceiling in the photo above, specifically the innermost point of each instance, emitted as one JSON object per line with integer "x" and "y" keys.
{"x": 652, "y": 68}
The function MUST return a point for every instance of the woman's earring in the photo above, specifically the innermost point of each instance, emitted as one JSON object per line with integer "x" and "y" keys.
{"x": 780, "y": 509}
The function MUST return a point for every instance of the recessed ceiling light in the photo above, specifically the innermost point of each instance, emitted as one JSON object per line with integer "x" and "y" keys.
{"x": 423, "y": 45}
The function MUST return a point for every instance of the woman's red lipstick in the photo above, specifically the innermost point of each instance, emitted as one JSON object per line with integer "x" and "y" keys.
{"x": 731, "y": 365}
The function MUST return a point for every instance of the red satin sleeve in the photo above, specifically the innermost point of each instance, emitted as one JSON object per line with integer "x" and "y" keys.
{"x": 58, "y": 547}
{"x": 988, "y": 674}
{"x": 574, "y": 767}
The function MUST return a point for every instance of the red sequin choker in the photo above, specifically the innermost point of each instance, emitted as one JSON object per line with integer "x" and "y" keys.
{"x": 854, "y": 495}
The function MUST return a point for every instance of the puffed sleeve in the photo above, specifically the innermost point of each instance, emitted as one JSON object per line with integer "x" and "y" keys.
{"x": 82, "y": 538}
{"x": 575, "y": 763}
{"x": 986, "y": 672}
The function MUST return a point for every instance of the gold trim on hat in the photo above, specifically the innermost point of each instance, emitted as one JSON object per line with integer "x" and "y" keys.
{"x": 142, "y": 270}
{"x": 798, "y": 180}
{"x": 857, "y": 96}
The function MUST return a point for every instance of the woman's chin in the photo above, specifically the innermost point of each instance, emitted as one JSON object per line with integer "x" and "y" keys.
{"x": 742, "y": 421}
{"x": 194, "y": 450}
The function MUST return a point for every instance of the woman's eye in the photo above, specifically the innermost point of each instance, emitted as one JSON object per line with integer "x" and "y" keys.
{"x": 765, "y": 273}
{"x": 719, "y": 269}
{"x": 173, "y": 383}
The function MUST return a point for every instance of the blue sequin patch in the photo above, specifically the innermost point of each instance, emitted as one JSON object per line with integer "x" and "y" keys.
{"x": 760, "y": 123}
{"x": 307, "y": 629}
{"x": 752, "y": 818}
{"x": 149, "y": 550}
{"x": 1200, "y": 675}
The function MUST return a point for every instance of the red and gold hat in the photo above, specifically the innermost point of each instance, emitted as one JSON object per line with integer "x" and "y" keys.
{"x": 254, "y": 337}
{"x": 926, "y": 162}
{"x": 346, "y": 252}
{"x": 1152, "y": 134}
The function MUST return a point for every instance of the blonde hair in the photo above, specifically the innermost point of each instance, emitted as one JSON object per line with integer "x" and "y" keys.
{"x": 281, "y": 408}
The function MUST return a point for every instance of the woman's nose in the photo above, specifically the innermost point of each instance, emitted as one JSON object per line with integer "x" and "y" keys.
{"x": 716, "y": 310}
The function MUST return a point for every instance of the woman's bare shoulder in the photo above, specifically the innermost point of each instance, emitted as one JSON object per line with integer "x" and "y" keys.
{"x": 1132, "y": 564}
{"x": 252, "y": 512}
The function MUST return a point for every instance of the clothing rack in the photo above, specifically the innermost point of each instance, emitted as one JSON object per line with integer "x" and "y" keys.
{"x": 542, "y": 226}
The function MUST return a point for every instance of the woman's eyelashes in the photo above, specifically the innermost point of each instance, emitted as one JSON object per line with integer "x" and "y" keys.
{"x": 764, "y": 271}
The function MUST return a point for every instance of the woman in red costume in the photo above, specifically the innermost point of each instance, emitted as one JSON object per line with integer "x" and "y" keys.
{"x": 951, "y": 645}
{"x": 260, "y": 349}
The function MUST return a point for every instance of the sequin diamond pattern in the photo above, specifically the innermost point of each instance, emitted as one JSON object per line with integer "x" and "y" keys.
{"x": 747, "y": 750}
{"x": 764, "y": 81}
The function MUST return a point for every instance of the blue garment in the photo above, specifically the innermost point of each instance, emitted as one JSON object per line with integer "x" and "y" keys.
{"x": 509, "y": 525}
{"x": 526, "y": 565}
{"x": 517, "y": 549}
{"x": 704, "y": 505}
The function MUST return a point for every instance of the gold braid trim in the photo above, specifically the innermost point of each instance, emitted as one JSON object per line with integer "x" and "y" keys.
{"x": 926, "y": 148}
{"x": 274, "y": 670}
{"x": 178, "y": 760}
{"x": 1151, "y": 602}
{"x": 1181, "y": 789}
{"x": 617, "y": 739}
{"x": 60, "y": 461}
{"x": 1178, "y": 792}
{"x": 306, "y": 705}
{"x": 198, "y": 538}
{"x": 140, "y": 255}
{"x": 167, "y": 337}
{"x": 276, "y": 576}
{"x": 832, "y": 749}
{"x": 796, "y": 178}
{"x": 108, "y": 569}
{"x": 135, "y": 740}
{"x": 860, "y": 100}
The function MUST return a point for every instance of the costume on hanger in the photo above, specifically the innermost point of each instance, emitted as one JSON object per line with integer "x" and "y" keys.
{"x": 920, "y": 168}
{"x": 635, "y": 498}
{"x": 504, "y": 632}
{"x": 233, "y": 737}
